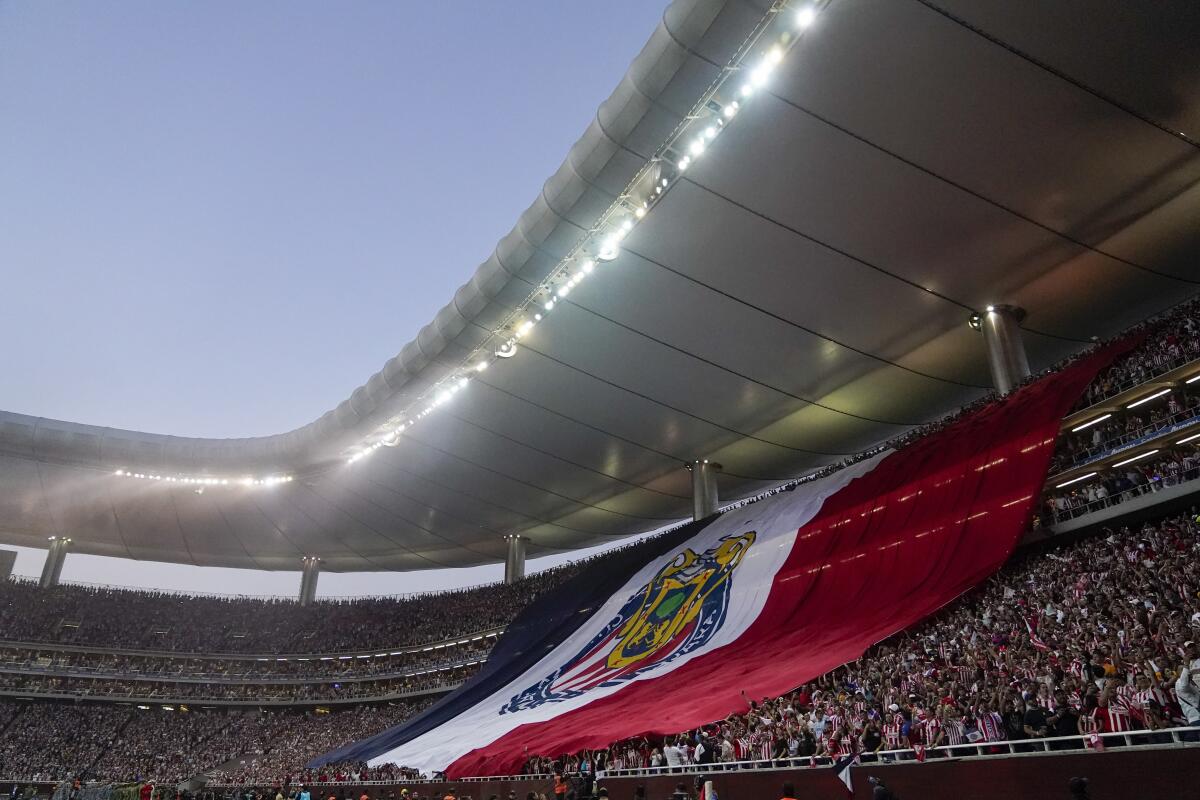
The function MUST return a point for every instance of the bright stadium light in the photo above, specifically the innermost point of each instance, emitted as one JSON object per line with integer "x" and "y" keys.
{"x": 737, "y": 82}
{"x": 1148, "y": 398}
{"x": 1090, "y": 423}
{"x": 1136, "y": 458}
{"x": 609, "y": 250}
{"x": 1077, "y": 480}
{"x": 193, "y": 480}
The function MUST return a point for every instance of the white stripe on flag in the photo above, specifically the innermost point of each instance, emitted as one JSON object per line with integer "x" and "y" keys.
{"x": 775, "y": 522}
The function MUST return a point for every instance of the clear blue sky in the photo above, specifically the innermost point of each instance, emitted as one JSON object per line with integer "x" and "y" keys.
{"x": 218, "y": 218}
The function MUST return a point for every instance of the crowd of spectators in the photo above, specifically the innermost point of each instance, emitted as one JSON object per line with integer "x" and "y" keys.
{"x": 1025, "y": 657}
{"x": 434, "y": 681}
{"x": 1124, "y": 428}
{"x": 1171, "y": 341}
{"x": 123, "y": 618}
{"x": 292, "y": 747}
{"x": 1028, "y": 656}
{"x": 1111, "y": 487}
{"x": 228, "y": 668}
{"x": 53, "y": 742}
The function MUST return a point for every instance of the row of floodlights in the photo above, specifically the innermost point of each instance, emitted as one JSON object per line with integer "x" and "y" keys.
{"x": 602, "y": 245}
{"x": 246, "y": 481}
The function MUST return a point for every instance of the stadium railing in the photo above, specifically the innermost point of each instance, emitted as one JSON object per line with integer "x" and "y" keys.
{"x": 1173, "y": 424}
{"x": 216, "y": 655}
{"x": 1092, "y": 506}
{"x": 1056, "y": 745}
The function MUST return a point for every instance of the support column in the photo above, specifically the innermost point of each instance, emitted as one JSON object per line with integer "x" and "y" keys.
{"x": 514, "y": 562}
{"x": 55, "y": 556}
{"x": 704, "y": 488}
{"x": 310, "y": 571}
{"x": 1001, "y": 327}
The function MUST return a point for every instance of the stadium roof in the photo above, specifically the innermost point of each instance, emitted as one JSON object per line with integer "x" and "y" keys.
{"x": 799, "y": 293}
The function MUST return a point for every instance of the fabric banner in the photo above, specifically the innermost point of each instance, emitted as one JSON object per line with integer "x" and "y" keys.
{"x": 760, "y": 599}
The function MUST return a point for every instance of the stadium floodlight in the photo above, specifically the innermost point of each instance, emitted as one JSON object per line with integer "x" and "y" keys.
{"x": 739, "y": 79}
{"x": 1193, "y": 379}
{"x": 610, "y": 249}
{"x": 1187, "y": 439}
{"x": 1090, "y": 423}
{"x": 1147, "y": 454}
{"x": 1148, "y": 398}
{"x": 1077, "y": 480}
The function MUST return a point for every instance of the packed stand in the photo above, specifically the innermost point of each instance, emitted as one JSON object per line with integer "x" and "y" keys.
{"x": 1111, "y": 487}
{"x": 285, "y": 748}
{"x": 122, "y": 618}
{"x": 432, "y": 682}
{"x": 53, "y": 742}
{"x": 1171, "y": 341}
{"x": 1124, "y": 428}
{"x": 1027, "y": 656}
{"x": 233, "y": 669}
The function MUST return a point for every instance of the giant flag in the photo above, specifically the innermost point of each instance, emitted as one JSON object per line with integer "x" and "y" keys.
{"x": 666, "y": 635}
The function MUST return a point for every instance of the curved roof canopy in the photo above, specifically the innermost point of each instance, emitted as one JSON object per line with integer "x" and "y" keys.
{"x": 799, "y": 293}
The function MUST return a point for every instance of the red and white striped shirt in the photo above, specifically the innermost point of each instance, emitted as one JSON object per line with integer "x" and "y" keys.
{"x": 931, "y": 728}
{"x": 763, "y": 745}
{"x": 1118, "y": 718}
{"x": 955, "y": 733}
{"x": 991, "y": 725}
{"x": 1145, "y": 695}
{"x": 891, "y": 735}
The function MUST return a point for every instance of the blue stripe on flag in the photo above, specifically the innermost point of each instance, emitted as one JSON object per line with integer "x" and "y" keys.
{"x": 538, "y": 628}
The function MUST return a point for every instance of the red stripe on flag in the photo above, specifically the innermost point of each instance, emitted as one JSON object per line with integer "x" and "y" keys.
{"x": 925, "y": 525}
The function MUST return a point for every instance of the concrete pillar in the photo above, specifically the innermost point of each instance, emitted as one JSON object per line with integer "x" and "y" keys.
{"x": 308, "y": 579}
{"x": 704, "y": 488}
{"x": 55, "y": 556}
{"x": 1001, "y": 327}
{"x": 514, "y": 561}
{"x": 7, "y": 559}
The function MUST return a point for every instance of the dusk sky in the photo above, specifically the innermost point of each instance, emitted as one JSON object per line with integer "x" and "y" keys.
{"x": 218, "y": 219}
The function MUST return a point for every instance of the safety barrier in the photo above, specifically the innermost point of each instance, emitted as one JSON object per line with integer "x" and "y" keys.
{"x": 1055, "y": 745}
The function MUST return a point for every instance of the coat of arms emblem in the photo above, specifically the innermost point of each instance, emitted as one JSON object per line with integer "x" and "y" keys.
{"x": 677, "y": 611}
